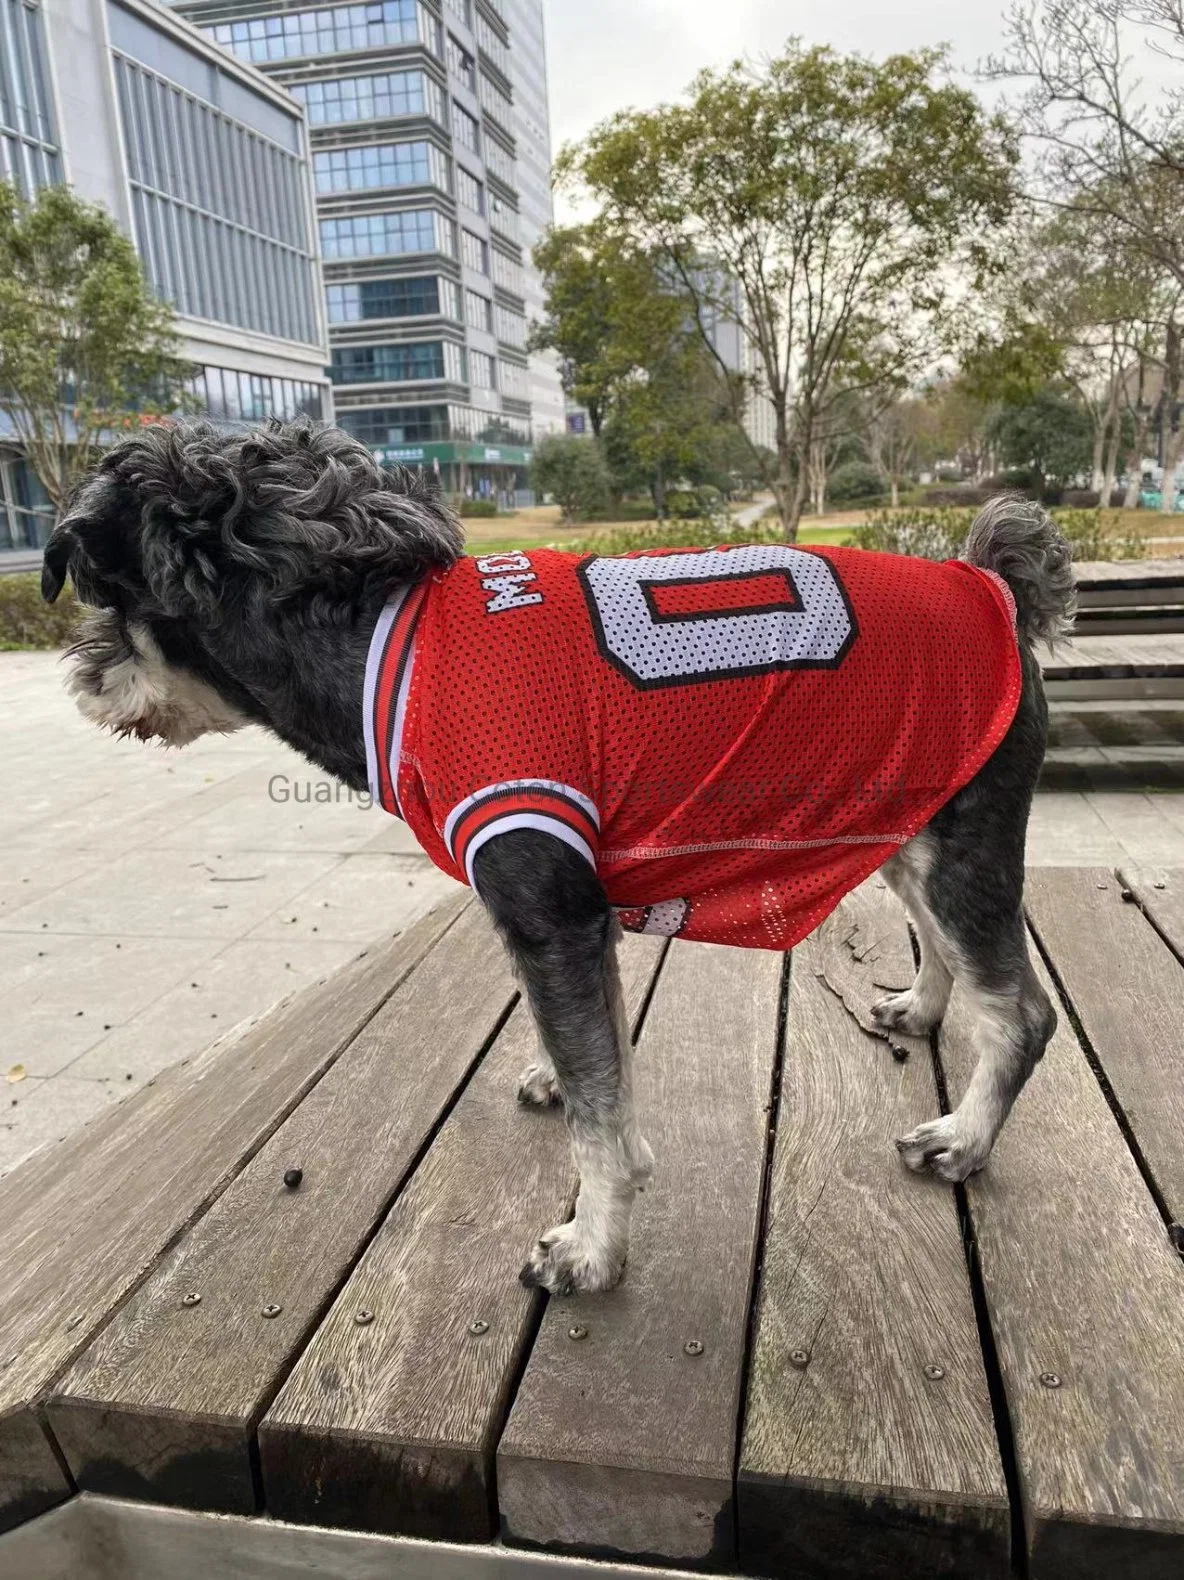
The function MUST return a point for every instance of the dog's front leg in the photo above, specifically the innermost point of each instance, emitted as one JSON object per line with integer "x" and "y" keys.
{"x": 552, "y": 911}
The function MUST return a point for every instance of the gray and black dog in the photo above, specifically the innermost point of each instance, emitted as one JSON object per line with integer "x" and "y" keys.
{"x": 237, "y": 578}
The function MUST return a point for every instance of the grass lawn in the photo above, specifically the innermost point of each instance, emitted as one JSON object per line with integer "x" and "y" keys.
{"x": 541, "y": 524}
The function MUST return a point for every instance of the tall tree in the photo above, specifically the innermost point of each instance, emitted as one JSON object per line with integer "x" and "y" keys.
{"x": 1108, "y": 148}
{"x": 821, "y": 204}
{"x": 84, "y": 344}
{"x": 610, "y": 312}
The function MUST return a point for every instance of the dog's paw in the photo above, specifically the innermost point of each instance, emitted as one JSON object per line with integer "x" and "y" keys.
{"x": 904, "y": 1013}
{"x": 566, "y": 1264}
{"x": 640, "y": 1160}
{"x": 942, "y": 1147}
{"x": 538, "y": 1086}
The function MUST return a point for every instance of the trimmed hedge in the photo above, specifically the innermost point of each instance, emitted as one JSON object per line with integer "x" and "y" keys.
{"x": 25, "y": 621}
{"x": 939, "y": 534}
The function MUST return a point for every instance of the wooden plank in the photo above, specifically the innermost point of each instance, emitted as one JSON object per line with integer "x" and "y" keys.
{"x": 1127, "y": 990}
{"x": 1159, "y": 893}
{"x": 82, "y": 1223}
{"x": 163, "y": 1403}
{"x": 392, "y": 1426}
{"x": 1085, "y": 1292}
{"x": 623, "y": 1444}
{"x": 856, "y": 1461}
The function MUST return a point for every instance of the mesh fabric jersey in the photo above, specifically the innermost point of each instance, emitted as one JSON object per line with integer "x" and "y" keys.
{"x": 734, "y": 738}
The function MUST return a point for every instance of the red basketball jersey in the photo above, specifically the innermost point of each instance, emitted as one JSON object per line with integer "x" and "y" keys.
{"x": 733, "y": 738}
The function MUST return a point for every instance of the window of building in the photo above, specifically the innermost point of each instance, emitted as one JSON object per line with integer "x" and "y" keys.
{"x": 469, "y": 191}
{"x": 29, "y": 156}
{"x": 401, "y": 364}
{"x": 494, "y": 102}
{"x": 229, "y": 396}
{"x": 513, "y": 380}
{"x": 499, "y": 160}
{"x": 460, "y": 63}
{"x": 219, "y": 211}
{"x": 503, "y": 217}
{"x": 507, "y": 273}
{"x": 481, "y": 371}
{"x": 478, "y": 310}
{"x": 380, "y": 165}
{"x": 376, "y": 235}
{"x": 464, "y": 128}
{"x": 26, "y": 513}
{"x": 474, "y": 252}
{"x": 374, "y": 98}
{"x": 460, "y": 9}
{"x": 331, "y": 31}
{"x": 489, "y": 42}
{"x": 413, "y": 297}
{"x": 510, "y": 326}
{"x": 395, "y": 425}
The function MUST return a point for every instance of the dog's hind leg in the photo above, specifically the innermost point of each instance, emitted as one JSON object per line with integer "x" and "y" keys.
{"x": 966, "y": 875}
{"x": 552, "y": 911}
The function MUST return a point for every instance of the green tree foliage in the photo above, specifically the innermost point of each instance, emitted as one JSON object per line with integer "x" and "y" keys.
{"x": 610, "y": 313}
{"x": 821, "y": 204}
{"x": 573, "y": 472}
{"x": 84, "y": 345}
{"x": 1050, "y": 434}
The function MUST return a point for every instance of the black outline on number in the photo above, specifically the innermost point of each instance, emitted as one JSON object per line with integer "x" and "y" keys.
{"x": 790, "y": 605}
{"x": 711, "y": 675}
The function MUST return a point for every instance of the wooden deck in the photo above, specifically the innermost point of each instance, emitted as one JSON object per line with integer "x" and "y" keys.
{"x": 817, "y": 1364}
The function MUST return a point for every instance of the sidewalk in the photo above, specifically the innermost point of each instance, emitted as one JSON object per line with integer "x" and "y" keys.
{"x": 149, "y": 900}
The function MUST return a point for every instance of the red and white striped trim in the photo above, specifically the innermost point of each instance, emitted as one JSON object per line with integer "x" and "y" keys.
{"x": 389, "y": 665}
{"x": 543, "y": 804}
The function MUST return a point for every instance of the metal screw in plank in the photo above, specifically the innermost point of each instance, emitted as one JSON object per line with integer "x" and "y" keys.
{"x": 191, "y": 1300}
{"x": 272, "y": 1310}
{"x": 1049, "y": 1380}
{"x": 363, "y": 1318}
{"x": 935, "y": 1373}
{"x": 292, "y": 1178}
{"x": 1127, "y": 896}
{"x": 479, "y": 1326}
{"x": 799, "y": 1359}
{"x": 577, "y": 1332}
{"x": 693, "y": 1347}
{"x": 1101, "y": 885}
{"x": 1176, "y": 1236}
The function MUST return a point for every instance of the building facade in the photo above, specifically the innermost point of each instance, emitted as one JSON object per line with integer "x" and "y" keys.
{"x": 532, "y": 125}
{"x": 205, "y": 163}
{"x": 414, "y": 117}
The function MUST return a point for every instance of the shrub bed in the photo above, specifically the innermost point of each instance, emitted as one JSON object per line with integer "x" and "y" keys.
{"x": 25, "y": 621}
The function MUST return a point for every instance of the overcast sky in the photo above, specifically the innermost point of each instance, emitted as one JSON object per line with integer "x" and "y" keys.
{"x": 606, "y": 55}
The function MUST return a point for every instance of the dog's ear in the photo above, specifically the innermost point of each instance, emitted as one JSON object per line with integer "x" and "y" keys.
{"x": 56, "y": 563}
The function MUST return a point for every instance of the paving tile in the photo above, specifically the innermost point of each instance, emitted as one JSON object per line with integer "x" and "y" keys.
{"x": 47, "y": 1111}
{"x": 244, "y": 979}
{"x": 364, "y": 895}
{"x": 175, "y": 894}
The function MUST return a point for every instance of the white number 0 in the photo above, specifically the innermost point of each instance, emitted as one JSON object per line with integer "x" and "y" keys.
{"x": 809, "y": 625}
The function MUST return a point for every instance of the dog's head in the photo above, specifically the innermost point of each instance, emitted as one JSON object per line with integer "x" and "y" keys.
{"x": 193, "y": 547}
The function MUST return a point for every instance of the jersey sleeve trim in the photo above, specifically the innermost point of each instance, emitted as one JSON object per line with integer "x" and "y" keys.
{"x": 389, "y": 666}
{"x": 542, "y": 804}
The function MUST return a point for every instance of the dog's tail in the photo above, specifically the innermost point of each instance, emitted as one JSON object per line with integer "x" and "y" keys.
{"x": 1019, "y": 541}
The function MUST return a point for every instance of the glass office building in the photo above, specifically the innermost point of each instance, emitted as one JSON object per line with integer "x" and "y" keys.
{"x": 205, "y": 163}
{"x": 428, "y": 197}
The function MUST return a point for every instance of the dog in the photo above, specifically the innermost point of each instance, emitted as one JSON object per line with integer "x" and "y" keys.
{"x": 273, "y": 577}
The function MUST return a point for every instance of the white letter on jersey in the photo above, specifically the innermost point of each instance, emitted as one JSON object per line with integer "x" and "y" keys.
{"x": 668, "y": 650}
{"x": 507, "y": 596}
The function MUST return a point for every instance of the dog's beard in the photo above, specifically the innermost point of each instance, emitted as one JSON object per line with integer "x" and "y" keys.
{"x": 122, "y": 681}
